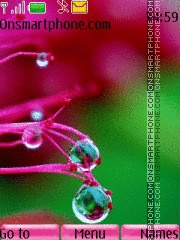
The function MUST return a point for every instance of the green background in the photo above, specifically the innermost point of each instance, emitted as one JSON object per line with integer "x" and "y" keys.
{"x": 116, "y": 121}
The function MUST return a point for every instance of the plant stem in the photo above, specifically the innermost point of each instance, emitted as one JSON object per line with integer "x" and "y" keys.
{"x": 68, "y": 129}
{"x": 57, "y": 146}
{"x": 14, "y": 113}
{"x": 46, "y": 168}
{"x": 11, "y": 144}
{"x": 6, "y": 59}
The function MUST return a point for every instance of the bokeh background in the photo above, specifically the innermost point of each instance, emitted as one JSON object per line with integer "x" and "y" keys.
{"x": 114, "y": 60}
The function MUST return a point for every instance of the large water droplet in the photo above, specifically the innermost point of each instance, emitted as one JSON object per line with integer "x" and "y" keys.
{"x": 91, "y": 204}
{"x": 32, "y": 137}
{"x": 42, "y": 60}
{"x": 84, "y": 154}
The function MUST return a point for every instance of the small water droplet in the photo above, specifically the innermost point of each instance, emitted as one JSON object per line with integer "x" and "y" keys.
{"x": 50, "y": 57}
{"x": 84, "y": 154}
{"x": 37, "y": 115}
{"x": 32, "y": 137}
{"x": 90, "y": 205}
{"x": 42, "y": 60}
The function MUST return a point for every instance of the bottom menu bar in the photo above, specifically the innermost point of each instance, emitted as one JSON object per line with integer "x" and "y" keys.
{"x": 82, "y": 232}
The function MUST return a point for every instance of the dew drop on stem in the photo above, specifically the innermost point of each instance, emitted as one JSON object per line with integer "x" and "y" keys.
{"x": 42, "y": 60}
{"x": 85, "y": 154}
{"x": 32, "y": 137}
{"x": 91, "y": 204}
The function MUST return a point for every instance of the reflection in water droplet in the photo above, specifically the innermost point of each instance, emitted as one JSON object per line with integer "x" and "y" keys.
{"x": 85, "y": 154}
{"x": 32, "y": 137}
{"x": 91, "y": 204}
{"x": 42, "y": 60}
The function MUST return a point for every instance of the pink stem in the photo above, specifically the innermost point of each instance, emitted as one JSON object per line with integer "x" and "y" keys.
{"x": 14, "y": 113}
{"x": 6, "y": 59}
{"x": 16, "y": 127}
{"x": 57, "y": 146}
{"x": 69, "y": 129}
{"x": 57, "y": 113}
{"x": 14, "y": 132}
{"x": 63, "y": 137}
{"x": 11, "y": 144}
{"x": 87, "y": 174}
{"x": 69, "y": 140}
{"x": 46, "y": 168}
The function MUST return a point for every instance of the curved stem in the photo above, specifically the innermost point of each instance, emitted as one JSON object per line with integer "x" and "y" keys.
{"x": 63, "y": 137}
{"x": 68, "y": 129}
{"x": 86, "y": 174}
{"x": 57, "y": 146}
{"x": 14, "y": 128}
{"x": 11, "y": 144}
{"x": 6, "y": 59}
{"x": 46, "y": 168}
{"x": 67, "y": 139}
{"x": 13, "y": 113}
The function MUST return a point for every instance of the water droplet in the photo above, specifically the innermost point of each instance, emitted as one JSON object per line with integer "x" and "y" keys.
{"x": 42, "y": 60}
{"x": 84, "y": 154}
{"x": 37, "y": 115}
{"x": 32, "y": 137}
{"x": 90, "y": 205}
